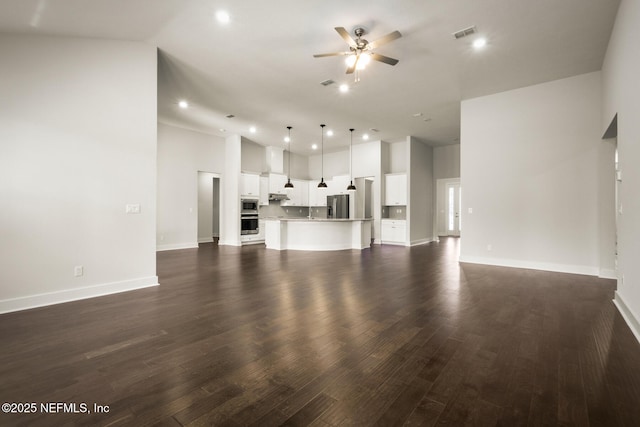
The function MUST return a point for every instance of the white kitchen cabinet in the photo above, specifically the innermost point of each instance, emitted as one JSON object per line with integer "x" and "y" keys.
{"x": 339, "y": 184}
{"x": 304, "y": 192}
{"x": 317, "y": 196}
{"x": 298, "y": 195}
{"x": 250, "y": 185}
{"x": 393, "y": 231}
{"x": 276, "y": 183}
{"x": 264, "y": 191}
{"x": 395, "y": 189}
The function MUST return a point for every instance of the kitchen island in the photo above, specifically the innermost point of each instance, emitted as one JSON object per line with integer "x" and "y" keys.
{"x": 317, "y": 234}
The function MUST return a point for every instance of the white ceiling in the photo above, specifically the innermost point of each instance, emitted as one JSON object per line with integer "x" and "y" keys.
{"x": 260, "y": 67}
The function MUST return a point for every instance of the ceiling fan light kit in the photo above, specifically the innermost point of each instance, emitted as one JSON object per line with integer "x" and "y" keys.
{"x": 360, "y": 51}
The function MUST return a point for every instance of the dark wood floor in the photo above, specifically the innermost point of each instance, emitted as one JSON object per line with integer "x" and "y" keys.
{"x": 387, "y": 336}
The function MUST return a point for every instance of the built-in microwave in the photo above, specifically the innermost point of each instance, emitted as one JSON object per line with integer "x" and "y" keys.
{"x": 249, "y": 206}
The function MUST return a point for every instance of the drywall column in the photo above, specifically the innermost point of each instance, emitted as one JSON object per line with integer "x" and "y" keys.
{"x": 230, "y": 183}
{"x": 420, "y": 191}
{"x": 620, "y": 72}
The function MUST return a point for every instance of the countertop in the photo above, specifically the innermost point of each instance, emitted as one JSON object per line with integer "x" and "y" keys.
{"x": 315, "y": 219}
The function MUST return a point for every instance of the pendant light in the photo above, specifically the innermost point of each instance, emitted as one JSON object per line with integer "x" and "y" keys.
{"x": 351, "y": 186}
{"x": 322, "y": 183}
{"x": 289, "y": 184}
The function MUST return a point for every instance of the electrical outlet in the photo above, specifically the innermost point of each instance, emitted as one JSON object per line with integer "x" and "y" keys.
{"x": 398, "y": 210}
{"x": 470, "y": 210}
{"x": 78, "y": 270}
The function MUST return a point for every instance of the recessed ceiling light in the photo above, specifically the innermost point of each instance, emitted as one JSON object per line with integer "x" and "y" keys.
{"x": 479, "y": 43}
{"x": 252, "y": 129}
{"x": 314, "y": 146}
{"x": 365, "y": 136}
{"x": 344, "y": 88}
{"x": 428, "y": 119}
{"x": 417, "y": 114}
{"x": 223, "y": 17}
{"x": 223, "y": 130}
{"x": 183, "y": 104}
{"x": 329, "y": 132}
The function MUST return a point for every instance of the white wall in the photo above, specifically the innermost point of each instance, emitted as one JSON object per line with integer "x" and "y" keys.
{"x": 622, "y": 96}
{"x": 253, "y": 157}
{"x": 529, "y": 171}
{"x": 420, "y": 201}
{"x": 336, "y": 163}
{"x": 299, "y": 166}
{"x": 398, "y": 157}
{"x": 77, "y": 144}
{"x": 181, "y": 154}
{"x": 446, "y": 161}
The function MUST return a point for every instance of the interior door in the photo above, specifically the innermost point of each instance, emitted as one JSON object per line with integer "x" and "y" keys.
{"x": 453, "y": 204}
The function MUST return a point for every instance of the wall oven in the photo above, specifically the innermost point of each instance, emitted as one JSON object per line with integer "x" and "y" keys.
{"x": 249, "y": 223}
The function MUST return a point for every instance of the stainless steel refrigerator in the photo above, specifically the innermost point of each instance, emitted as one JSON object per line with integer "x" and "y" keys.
{"x": 338, "y": 206}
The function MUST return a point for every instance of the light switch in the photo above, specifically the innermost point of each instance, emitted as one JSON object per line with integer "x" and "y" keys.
{"x": 470, "y": 210}
{"x": 132, "y": 209}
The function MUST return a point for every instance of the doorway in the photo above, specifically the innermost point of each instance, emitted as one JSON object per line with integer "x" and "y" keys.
{"x": 453, "y": 209}
{"x": 448, "y": 202}
{"x": 208, "y": 207}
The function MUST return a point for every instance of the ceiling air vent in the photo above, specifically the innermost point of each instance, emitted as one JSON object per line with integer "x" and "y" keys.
{"x": 327, "y": 82}
{"x": 229, "y": 116}
{"x": 465, "y": 32}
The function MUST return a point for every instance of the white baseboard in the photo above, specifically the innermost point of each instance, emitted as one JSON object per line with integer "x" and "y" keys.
{"x": 606, "y": 273}
{"x": 205, "y": 239}
{"x": 628, "y": 315}
{"x": 559, "y": 268}
{"x": 421, "y": 241}
{"x": 173, "y": 246}
{"x": 67, "y": 295}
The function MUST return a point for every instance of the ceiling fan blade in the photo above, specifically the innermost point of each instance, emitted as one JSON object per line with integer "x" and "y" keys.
{"x": 345, "y": 35}
{"x": 385, "y": 59}
{"x": 322, "y": 55}
{"x": 352, "y": 68}
{"x": 385, "y": 39}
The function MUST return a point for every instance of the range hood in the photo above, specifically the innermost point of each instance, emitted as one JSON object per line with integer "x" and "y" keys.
{"x": 276, "y": 196}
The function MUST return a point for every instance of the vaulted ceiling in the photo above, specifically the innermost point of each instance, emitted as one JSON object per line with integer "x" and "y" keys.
{"x": 260, "y": 67}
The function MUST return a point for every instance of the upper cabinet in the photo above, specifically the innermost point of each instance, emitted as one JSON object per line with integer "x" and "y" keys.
{"x": 339, "y": 184}
{"x": 317, "y": 196}
{"x": 395, "y": 189}
{"x": 276, "y": 183}
{"x": 298, "y": 195}
{"x": 264, "y": 191}
{"x": 250, "y": 185}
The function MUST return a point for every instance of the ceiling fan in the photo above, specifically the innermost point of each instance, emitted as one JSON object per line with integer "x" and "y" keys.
{"x": 361, "y": 50}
